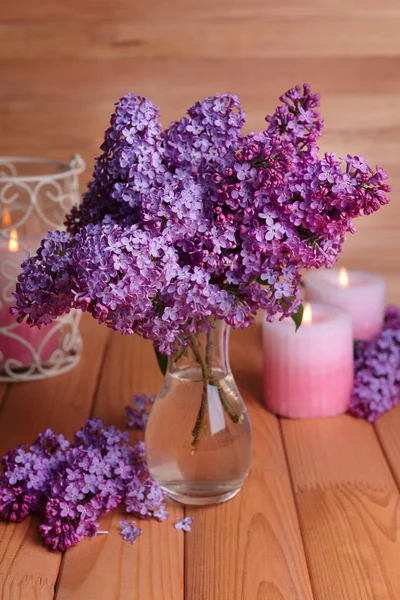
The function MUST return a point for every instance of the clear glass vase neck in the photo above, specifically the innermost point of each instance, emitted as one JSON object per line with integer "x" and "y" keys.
{"x": 209, "y": 347}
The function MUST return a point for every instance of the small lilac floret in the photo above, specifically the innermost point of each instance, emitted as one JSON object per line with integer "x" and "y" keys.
{"x": 129, "y": 532}
{"x": 184, "y": 524}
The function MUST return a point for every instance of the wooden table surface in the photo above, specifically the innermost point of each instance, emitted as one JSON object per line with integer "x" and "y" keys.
{"x": 317, "y": 518}
{"x": 319, "y": 515}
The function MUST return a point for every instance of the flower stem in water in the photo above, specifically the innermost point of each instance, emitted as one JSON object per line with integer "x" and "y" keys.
{"x": 201, "y": 420}
{"x": 201, "y": 424}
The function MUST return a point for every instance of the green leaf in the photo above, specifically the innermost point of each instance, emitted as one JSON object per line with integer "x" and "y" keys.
{"x": 298, "y": 316}
{"x": 162, "y": 360}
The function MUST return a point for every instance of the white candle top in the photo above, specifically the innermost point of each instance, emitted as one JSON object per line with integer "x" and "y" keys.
{"x": 356, "y": 279}
{"x": 362, "y": 295}
{"x": 324, "y": 318}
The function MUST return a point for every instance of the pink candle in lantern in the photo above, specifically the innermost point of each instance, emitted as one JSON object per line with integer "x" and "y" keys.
{"x": 309, "y": 373}
{"x": 361, "y": 293}
{"x": 33, "y": 339}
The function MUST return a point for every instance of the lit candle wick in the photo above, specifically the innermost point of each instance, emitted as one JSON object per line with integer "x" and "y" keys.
{"x": 343, "y": 278}
{"x": 13, "y": 244}
{"x": 307, "y": 315}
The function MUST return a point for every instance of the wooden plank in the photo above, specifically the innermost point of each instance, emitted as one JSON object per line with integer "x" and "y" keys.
{"x": 179, "y": 82}
{"x": 349, "y": 508}
{"x": 27, "y": 569}
{"x": 251, "y": 546}
{"x": 119, "y": 9}
{"x": 109, "y": 567}
{"x": 387, "y": 428}
{"x": 230, "y": 37}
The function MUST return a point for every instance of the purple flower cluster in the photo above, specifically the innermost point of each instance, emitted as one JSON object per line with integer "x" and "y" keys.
{"x": 199, "y": 221}
{"x": 27, "y": 474}
{"x": 377, "y": 371}
{"x": 143, "y": 496}
{"x": 74, "y": 485}
{"x": 137, "y": 415}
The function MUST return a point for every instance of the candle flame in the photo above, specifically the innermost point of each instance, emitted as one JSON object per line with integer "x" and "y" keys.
{"x": 343, "y": 278}
{"x": 13, "y": 245}
{"x": 307, "y": 315}
{"x": 6, "y": 219}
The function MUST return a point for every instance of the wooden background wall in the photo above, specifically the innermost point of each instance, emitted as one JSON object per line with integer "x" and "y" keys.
{"x": 63, "y": 63}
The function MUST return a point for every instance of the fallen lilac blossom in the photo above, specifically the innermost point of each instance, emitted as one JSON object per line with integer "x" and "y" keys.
{"x": 184, "y": 524}
{"x": 377, "y": 371}
{"x": 72, "y": 485}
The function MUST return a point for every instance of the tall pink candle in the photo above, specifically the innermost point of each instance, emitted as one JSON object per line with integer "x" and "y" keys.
{"x": 309, "y": 372}
{"x": 362, "y": 294}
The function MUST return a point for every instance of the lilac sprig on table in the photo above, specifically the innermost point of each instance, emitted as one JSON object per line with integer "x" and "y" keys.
{"x": 392, "y": 318}
{"x": 377, "y": 370}
{"x": 73, "y": 485}
{"x": 143, "y": 496}
{"x": 26, "y": 475}
{"x": 199, "y": 221}
{"x": 91, "y": 484}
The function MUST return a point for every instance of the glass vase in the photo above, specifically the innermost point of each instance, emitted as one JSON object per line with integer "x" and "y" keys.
{"x": 198, "y": 436}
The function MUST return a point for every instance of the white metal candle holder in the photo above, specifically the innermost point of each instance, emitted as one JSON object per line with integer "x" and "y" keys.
{"x": 35, "y": 195}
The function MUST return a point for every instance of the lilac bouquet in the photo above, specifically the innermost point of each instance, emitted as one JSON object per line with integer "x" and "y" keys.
{"x": 199, "y": 222}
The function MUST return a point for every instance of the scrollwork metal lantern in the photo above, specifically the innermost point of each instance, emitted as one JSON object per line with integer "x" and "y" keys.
{"x": 35, "y": 195}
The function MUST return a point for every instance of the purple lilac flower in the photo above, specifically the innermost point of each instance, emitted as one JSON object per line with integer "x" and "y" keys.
{"x": 377, "y": 371}
{"x": 199, "y": 221}
{"x": 144, "y": 496}
{"x": 27, "y": 475}
{"x": 94, "y": 530}
{"x": 74, "y": 485}
{"x": 392, "y": 317}
{"x": 136, "y": 416}
{"x": 129, "y": 532}
{"x": 73, "y": 508}
{"x": 184, "y": 524}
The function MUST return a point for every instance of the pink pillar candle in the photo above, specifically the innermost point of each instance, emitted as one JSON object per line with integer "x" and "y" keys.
{"x": 363, "y": 295}
{"x": 20, "y": 344}
{"x": 30, "y": 345}
{"x": 309, "y": 373}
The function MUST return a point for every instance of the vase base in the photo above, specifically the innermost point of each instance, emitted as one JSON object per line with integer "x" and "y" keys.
{"x": 199, "y": 500}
